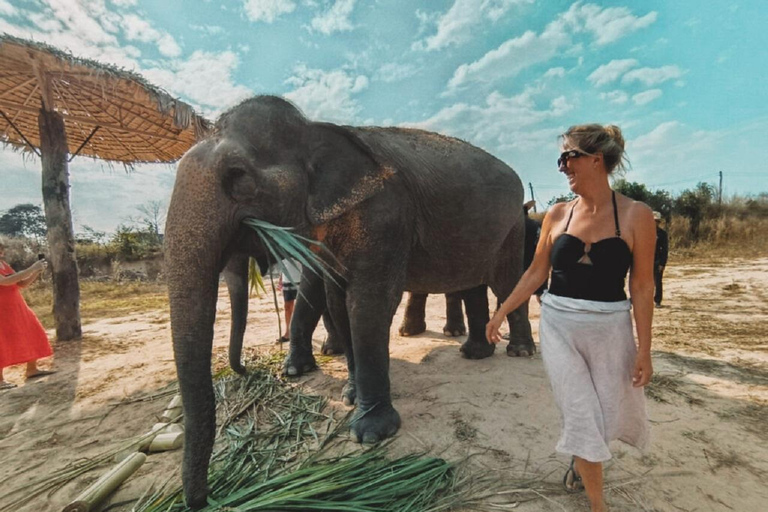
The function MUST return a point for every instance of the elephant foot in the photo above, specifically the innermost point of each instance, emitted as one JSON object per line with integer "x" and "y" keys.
{"x": 331, "y": 347}
{"x": 349, "y": 394}
{"x": 196, "y": 497}
{"x": 374, "y": 424}
{"x": 412, "y": 328}
{"x": 297, "y": 364}
{"x": 454, "y": 329}
{"x": 523, "y": 349}
{"x": 477, "y": 349}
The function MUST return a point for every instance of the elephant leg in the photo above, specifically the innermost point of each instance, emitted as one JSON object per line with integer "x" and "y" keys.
{"x": 236, "y": 277}
{"x": 310, "y": 305}
{"x": 454, "y": 316}
{"x": 520, "y": 335}
{"x": 508, "y": 273}
{"x": 415, "y": 312}
{"x": 337, "y": 312}
{"x": 476, "y": 304}
{"x": 333, "y": 344}
{"x": 371, "y": 313}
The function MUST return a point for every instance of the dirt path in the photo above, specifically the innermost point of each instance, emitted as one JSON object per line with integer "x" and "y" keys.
{"x": 707, "y": 403}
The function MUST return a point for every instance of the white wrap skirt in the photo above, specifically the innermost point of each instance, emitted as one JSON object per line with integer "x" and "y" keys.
{"x": 589, "y": 350}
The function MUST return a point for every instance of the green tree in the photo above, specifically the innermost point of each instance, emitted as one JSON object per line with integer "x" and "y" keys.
{"x": 570, "y": 196}
{"x": 24, "y": 220}
{"x": 658, "y": 200}
{"x": 695, "y": 205}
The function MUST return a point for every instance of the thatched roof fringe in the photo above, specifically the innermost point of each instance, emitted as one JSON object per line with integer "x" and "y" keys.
{"x": 139, "y": 121}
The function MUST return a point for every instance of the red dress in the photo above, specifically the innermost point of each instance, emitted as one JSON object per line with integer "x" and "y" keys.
{"x": 22, "y": 337}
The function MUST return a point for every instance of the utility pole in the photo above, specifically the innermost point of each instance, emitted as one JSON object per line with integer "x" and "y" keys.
{"x": 530, "y": 185}
{"x": 720, "y": 190}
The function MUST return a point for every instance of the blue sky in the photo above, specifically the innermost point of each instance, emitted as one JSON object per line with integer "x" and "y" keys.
{"x": 684, "y": 79}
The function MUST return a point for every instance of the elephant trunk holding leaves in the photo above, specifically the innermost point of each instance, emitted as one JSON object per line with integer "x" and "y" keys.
{"x": 399, "y": 209}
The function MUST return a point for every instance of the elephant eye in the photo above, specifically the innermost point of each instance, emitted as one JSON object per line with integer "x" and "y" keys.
{"x": 233, "y": 180}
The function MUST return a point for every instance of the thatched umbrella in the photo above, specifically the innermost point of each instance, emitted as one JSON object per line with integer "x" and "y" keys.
{"x": 56, "y": 105}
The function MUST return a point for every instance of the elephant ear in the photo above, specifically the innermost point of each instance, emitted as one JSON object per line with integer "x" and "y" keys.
{"x": 343, "y": 172}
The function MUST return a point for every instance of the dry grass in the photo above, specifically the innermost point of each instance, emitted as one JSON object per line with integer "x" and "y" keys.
{"x": 724, "y": 237}
{"x": 101, "y": 299}
{"x": 753, "y": 418}
{"x": 664, "y": 385}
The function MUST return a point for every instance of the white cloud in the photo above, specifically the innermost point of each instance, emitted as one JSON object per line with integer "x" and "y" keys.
{"x": 205, "y": 78}
{"x": 555, "y": 73}
{"x": 335, "y": 19}
{"x": 268, "y": 10}
{"x": 501, "y": 123}
{"x": 326, "y": 95}
{"x": 210, "y": 30}
{"x": 531, "y": 48}
{"x": 394, "y": 72}
{"x": 606, "y": 24}
{"x": 7, "y": 9}
{"x": 646, "y": 96}
{"x": 138, "y": 29}
{"x": 125, "y": 3}
{"x": 510, "y": 58}
{"x": 457, "y": 26}
{"x": 617, "y": 97}
{"x": 611, "y": 72}
{"x": 652, "y": 76}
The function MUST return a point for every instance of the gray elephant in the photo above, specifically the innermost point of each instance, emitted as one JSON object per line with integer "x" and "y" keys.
{"x": 400, "y": 209}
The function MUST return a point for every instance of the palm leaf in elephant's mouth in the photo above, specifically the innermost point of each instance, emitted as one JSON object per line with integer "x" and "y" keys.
{"x": 282, "y": 244}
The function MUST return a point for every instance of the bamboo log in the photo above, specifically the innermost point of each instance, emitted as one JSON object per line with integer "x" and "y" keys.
{"x": 174, "y": 410}
{"x": 166, "y": 442}
{"x": 104, "y": 486}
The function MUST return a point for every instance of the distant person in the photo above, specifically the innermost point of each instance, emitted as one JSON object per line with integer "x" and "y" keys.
{"x": 595, "y": 367}
{"x": 660, "y": 259}
{"x": 290, "y": 278}
{"x": 22, "y": 337}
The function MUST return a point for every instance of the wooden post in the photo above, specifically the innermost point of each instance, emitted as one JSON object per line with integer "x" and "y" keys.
{"x": 58, "y": 218}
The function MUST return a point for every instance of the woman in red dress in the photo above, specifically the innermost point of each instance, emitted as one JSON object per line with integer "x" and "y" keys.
{"x": 22, "y": 337}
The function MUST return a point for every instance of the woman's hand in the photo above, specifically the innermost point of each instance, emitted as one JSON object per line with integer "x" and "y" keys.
{"x": 492, "y": 329}
{"x": 643, "y": 371}
{"x": 38, "y": 266}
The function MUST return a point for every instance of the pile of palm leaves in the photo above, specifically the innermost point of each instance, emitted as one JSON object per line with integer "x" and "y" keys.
{"x": 277, "y": 450}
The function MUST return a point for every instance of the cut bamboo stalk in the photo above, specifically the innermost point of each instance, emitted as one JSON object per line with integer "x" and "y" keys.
{"x": 167, "y": 427}
{"x": 104, "y": 486}
{"x": 166, "y": 442}
{"x": 174, "y": 410}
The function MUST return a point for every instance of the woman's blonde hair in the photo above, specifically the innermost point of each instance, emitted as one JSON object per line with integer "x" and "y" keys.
{"x": 596, "y": 138}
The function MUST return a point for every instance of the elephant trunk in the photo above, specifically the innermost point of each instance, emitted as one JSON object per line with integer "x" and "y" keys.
{"x": 193, "y": 251}
{"x": 193, "y": 297}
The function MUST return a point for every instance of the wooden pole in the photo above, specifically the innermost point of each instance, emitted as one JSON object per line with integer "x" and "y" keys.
{"x": 58, "y": 218}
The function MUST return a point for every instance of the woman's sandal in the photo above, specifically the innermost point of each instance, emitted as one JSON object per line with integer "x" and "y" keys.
{"x": 571, "y": 480}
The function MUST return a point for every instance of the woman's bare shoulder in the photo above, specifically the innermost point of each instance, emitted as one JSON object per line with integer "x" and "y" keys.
{"x": 557, "y": 211}
{"x": 636, "y": 212}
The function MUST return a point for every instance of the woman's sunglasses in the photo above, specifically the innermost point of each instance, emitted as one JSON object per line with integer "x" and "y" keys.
{"x": 567, "y": 155}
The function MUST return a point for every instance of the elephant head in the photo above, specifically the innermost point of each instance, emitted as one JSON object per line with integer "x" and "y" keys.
{"x": 264, "y": 160}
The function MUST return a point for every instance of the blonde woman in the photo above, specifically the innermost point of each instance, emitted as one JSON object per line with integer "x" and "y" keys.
{"x": 596, "y": 367}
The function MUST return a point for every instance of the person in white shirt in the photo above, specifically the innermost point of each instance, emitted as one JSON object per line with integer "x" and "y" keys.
{"x": 290, "y": 277}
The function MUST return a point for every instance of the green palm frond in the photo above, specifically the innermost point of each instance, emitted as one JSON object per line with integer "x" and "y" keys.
{"x": 255, "y": 279}
{"x": 282, "y": 243}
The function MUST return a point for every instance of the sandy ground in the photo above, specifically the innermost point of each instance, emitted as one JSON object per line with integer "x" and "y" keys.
{"x": 707, "y": 403}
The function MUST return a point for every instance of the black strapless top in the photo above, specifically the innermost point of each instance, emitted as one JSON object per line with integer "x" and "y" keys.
{"x": 596, "y": 273}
